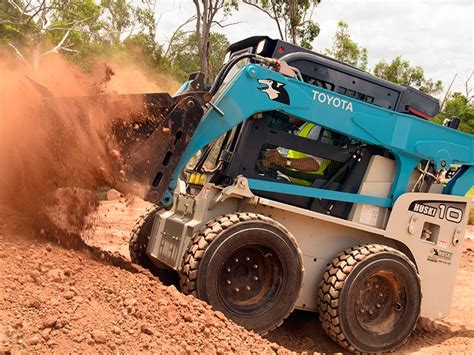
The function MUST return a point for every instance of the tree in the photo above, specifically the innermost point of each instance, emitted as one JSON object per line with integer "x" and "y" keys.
{"x": 206, "y": 18}
{"x": 292, "y": 17}
{"x": 38, "y": 28}
{"x": 79, "y": 28}
{"x": 346, "y": 50}
{"x": 458, "y": 106}
{"x": 184, "y": 59}
{"x": 400, "y": 71}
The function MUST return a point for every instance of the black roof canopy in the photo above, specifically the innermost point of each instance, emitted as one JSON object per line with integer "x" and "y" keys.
{"x": 334, "y": 75}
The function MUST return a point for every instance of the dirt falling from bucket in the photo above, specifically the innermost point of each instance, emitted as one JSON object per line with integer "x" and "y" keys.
{"x": 56, "y": 146}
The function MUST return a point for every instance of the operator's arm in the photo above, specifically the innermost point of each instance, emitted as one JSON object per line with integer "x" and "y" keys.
{"x": 303, "y": 164}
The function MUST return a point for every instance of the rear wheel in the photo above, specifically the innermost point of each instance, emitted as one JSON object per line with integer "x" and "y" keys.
{"x": 247, "y": 266}
{"x": 369, "y": 298}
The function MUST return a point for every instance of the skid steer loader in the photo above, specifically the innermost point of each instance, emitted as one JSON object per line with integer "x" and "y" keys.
{"x": 369, "y": 239}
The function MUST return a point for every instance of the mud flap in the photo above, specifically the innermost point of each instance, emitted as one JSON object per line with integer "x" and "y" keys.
{"x": 152, "y": 162}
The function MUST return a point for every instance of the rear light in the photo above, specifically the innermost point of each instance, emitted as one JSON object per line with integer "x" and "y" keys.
{"x": 281, "y": 50}
{"x": 419, "y": 114}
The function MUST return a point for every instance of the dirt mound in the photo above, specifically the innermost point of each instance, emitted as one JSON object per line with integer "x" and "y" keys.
{"x": 55, "y": 300}
{"x": 302, "y": 332}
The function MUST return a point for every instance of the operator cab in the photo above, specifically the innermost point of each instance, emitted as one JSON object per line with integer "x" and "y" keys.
{"x": 242, "y": 150}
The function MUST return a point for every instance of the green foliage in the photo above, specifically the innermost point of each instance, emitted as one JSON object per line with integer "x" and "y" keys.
{"x": 292, "y": 17}
{"x": 84, "y": 30}
{"x": 470, "y": 194}
{"x": 78, "y": 28}
{"x": 183, "y": 56}
{"x": 118, "y": 17}
{"x": 346, "y": 50}
{"x": 229, "y": 6}
{"x": 400, "y": 71}
{"x": 37, "y": 27}
{"x": 9, "y": 30}
{"x": 458, "y": 106}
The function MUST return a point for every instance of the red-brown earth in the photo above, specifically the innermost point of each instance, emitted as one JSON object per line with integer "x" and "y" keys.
{"x": 55, "y": 299}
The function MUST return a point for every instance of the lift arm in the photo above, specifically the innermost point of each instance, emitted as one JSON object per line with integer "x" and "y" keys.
{"x": 411, "y": 139}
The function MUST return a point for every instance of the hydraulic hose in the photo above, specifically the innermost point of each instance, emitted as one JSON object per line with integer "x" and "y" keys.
{"x": 225, "y": 70}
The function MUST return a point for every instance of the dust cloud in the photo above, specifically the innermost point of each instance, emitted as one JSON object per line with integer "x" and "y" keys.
{"x": 57, "y": 149}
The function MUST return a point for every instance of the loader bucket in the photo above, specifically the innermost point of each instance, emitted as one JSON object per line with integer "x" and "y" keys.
{"x": 152, "y": 153}
{"x": 151, "y": 131}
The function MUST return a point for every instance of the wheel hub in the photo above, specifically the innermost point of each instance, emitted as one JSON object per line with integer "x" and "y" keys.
{"x": 380, "y": 301}
{"x": 247, "y": 276}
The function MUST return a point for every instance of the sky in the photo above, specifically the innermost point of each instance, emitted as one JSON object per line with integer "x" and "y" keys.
{"x": 436, "y": 35}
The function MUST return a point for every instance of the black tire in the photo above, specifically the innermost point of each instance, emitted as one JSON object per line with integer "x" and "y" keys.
{"x": 246, "y": 265}
{"x": 138, "y": 244}
{"x": 369, "y": 298}
{"x": 140, "y": 237}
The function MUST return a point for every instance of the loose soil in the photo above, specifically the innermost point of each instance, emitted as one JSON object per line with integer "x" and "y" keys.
{"x": 57, "y": 300}
{"x": 62, "y": 301}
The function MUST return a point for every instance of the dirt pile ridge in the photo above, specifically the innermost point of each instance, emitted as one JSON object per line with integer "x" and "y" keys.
{"x": 301, "y": 331}
{"x": 55, "y": 300}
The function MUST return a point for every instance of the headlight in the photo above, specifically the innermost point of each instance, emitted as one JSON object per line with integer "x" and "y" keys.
{"x": 260, "y": 46}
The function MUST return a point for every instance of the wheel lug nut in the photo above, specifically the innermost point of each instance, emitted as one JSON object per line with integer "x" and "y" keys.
{"x": 236, "y": 260}
{"x": 378, "y": 305}
{"x": 228, "y": 269}
{"x": 228, "y": 282}
{"x": 255, "y": 278}
{"x": 247, "y": 259}
{"x": 362, "y": 310}
{"x": 247, "y": 288}
{"x": 236, "y": 289}
{"x": 380, "y": 294}
{"x": 376, "y": 285}
{"x": 255, "y": 266}
{"x": 371, "y": 312}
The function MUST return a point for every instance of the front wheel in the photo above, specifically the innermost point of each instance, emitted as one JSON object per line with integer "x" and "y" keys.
{"x": 138, "y": 244}
{"x": 369, "y": 298}
{"x": 140, "y": 238}
{"x": 247, "y": 266}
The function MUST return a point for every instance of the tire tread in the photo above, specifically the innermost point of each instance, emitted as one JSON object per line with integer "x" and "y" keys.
{"x": 333, "y": 281}
{"x": 136, "y": 245}
{"x": 203, "y": 239}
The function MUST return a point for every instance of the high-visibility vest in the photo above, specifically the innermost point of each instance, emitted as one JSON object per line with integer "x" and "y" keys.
{"x": 293, "y": 154}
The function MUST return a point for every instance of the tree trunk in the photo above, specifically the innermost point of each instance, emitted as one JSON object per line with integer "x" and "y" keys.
{"x": 293, "y": 20}
{"x": 203, "y": 27}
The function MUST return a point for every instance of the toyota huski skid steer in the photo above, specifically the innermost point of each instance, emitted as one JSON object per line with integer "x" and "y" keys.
{"x": 371, "y": 241}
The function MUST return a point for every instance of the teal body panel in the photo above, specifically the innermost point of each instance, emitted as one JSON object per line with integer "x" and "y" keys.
{"x": 410, "y": 139}
{"x": 299, "y": 190}
{"x": 460, "y": 181}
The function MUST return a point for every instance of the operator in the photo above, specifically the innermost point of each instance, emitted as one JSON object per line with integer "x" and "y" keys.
{"x": 299, "y": 161}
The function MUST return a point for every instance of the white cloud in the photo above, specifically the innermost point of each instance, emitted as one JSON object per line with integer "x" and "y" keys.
{"x": 437, "y": 34}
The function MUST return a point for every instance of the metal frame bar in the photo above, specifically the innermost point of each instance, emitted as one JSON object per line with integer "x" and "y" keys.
{"x": 409, "y": 138}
